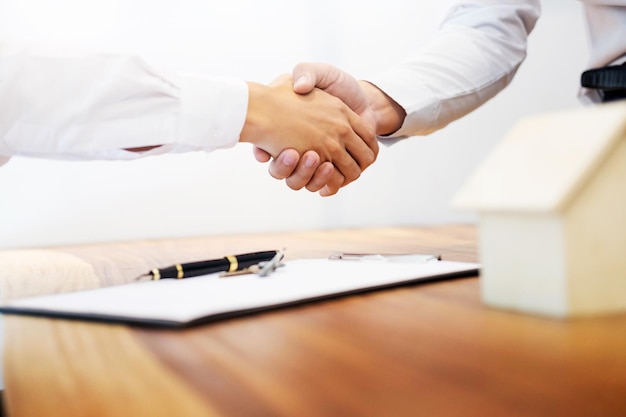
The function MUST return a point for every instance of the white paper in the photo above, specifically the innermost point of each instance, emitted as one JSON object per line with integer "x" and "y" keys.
{"x": 183, "y": 301}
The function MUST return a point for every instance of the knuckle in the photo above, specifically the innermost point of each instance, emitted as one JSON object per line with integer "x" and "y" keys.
{"x": 344, "y": 130}
{"x": 368, "y": 160}
{"x": 351, "y": 175}
{"x": 335, "y": 148}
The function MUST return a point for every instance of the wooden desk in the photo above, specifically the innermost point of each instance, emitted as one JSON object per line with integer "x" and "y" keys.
{"x": 424, "y": 350}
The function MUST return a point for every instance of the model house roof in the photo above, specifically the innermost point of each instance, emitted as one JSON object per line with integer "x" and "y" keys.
{"x": 545, "y": 160}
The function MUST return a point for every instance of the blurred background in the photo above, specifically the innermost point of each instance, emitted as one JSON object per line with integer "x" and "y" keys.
{"x": 44, "y": 203}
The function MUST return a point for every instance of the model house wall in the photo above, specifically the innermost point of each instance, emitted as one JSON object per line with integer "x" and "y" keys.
{"x": 552, "y": 214}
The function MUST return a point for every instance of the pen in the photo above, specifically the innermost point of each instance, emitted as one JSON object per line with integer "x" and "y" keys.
{"x": 228, "y": 263}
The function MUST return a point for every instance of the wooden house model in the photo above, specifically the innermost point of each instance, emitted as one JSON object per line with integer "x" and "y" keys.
{"x": 551, "y": 203}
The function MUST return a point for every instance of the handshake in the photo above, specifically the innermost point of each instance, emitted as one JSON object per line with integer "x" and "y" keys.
{"x": 319, "y": 126}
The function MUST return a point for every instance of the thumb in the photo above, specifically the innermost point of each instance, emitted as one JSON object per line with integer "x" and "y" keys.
{"x": 332, "y": 80}
{"x": 308, "y": 75}
{"x": 303, "y": 83}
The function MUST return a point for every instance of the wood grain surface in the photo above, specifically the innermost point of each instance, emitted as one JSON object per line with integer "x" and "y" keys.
{"x": 421, "y": 350}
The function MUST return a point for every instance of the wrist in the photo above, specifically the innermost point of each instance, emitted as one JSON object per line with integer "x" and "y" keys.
{"x": 388, "y": 114}
{"x": 255, "y": 125}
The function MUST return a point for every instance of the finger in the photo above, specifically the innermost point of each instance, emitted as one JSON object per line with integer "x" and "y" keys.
{"x": 346, "y": 155}
{"x": 357, "y": 153}
{"x": 305, "y": 170}
{"x": 323, "y": 175}
{"x": 284, "y": 164}
{"x": 363, "y": 145}
{"x": 348, "y": 167}
{"x": 333, "y": 186}
{"x": 260, "y": 155}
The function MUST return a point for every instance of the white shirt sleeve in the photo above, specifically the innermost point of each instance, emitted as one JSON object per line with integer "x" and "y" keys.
{"x": 64, "y": 104}
{"x": 474, "y": 55}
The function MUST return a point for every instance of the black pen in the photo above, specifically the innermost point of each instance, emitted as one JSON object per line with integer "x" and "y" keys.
{"x": 228, "y": 263}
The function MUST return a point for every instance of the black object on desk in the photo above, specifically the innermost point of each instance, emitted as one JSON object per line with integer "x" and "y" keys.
{"x": 228, "y": 263}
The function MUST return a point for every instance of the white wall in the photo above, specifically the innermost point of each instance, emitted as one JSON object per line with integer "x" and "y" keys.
{"x": 53, "y": 202}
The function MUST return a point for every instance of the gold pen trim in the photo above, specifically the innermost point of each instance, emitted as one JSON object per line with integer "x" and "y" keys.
{"x": 181, "y": 273}
{"x": 234, "y": 264}
{"x": 156, "y": 274}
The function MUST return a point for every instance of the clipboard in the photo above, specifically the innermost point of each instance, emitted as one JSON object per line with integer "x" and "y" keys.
{"x": 192, "y": 301}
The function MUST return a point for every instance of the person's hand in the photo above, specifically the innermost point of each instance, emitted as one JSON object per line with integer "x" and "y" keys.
{"x": 342, "y": 85}
{"x": 378, "y": 109}
{"x": 279, "y": 119}
{"x": 305, "y": 171}
{"x": 309, "y": 75}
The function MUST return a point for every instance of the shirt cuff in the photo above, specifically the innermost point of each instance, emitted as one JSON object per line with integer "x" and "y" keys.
{"x": 212, "y": 111}
{"x": 415, "y": 98}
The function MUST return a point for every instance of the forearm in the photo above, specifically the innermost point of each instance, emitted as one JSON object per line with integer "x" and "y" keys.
{"x": 94, "y": 106}
{"x": 469, "y": 60}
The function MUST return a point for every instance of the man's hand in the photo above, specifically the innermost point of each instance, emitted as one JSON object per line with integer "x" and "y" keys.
{"x": 368, "y": 101}
{"x": 307, "y": 76}
{"x": 376, "y": 108}
{"x": 305, "y": 173}
{"x": 279, "y": 119}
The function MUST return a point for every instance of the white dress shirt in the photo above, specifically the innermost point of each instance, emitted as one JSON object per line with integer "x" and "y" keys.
{"x": 475, "y": 54}
{"x": 606, "y": 22}
{"x": 67, "y": 104}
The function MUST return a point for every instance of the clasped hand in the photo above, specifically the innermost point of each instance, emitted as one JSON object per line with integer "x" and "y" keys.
{"x": 317, "y": 126}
